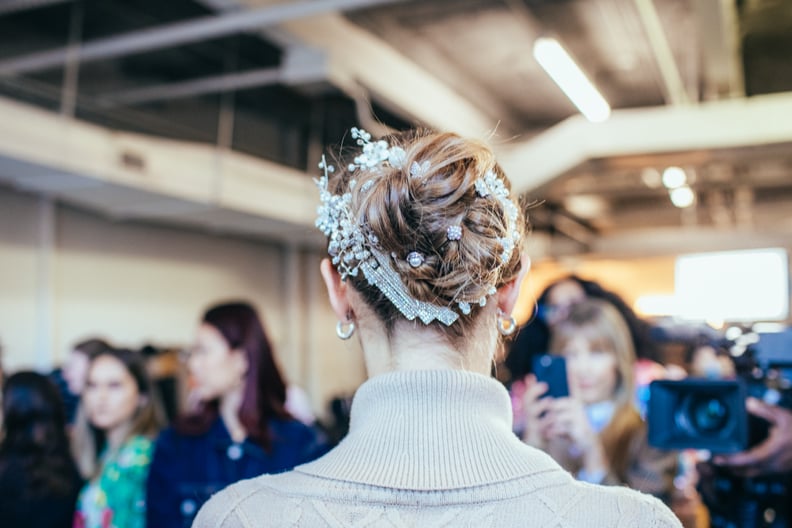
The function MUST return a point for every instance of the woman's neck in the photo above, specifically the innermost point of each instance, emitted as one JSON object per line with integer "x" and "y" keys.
{"x": 229, "y": 412}
{"x": 116, "y": 436}
{"x": 413, "y": 346}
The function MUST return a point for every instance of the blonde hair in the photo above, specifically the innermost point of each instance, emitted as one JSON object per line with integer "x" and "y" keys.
{"x": 87, "y": 441}
{"x": 602, "y": 324}
{"x": 408, "y": 213}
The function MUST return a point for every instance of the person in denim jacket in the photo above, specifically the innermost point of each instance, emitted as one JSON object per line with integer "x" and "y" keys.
{"x": 239, "y": 427}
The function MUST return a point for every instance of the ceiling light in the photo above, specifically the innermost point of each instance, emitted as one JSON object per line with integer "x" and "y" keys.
{"x": 651, "y": 177}
{"x": 682, "y": 196}
{"x": 586, "y": 206}
{"x": 570, "y": 78}
{"x": 674, "y": 177}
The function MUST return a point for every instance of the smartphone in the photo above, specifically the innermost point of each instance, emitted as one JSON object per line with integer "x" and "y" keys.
{"x": 551, "y": 369}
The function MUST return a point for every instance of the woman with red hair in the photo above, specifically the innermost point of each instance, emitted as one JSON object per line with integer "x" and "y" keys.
{"x": 240, "y": 427}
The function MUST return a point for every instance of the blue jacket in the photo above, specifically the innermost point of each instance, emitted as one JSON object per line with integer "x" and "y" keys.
{"x": 187, "y": 470}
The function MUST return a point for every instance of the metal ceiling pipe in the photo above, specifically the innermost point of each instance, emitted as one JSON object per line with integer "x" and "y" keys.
{"x": 195, "y": 87}
{"x": 298, "y": 66}
{"x": 180, "y": 33}
{"x": 13, "y": 6}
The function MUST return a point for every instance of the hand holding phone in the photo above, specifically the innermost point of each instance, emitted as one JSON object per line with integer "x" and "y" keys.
{"x": 551, "y": 370}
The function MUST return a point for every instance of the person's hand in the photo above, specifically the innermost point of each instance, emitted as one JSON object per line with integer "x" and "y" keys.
{"x": 534, "y": 407}
{"x": 566, "y": 418}
{"x": 774, "y": 455}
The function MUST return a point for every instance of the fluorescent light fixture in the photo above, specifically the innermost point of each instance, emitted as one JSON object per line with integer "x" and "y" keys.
{"x": 682, "y": 197}
{"x": 674, "y": 177}
{"x": 549, "y": 53}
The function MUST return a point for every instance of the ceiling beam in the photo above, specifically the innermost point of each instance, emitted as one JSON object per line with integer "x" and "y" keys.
{"x": 669, "y": 72}
{"x": 660, "y": 130}
{"x": 357, "y": 57}
{"x": 43, "y": 152}
{"x": 180, "y": 33}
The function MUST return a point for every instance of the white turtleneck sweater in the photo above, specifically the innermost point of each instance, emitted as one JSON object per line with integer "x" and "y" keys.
{"x": 430, "y": 448}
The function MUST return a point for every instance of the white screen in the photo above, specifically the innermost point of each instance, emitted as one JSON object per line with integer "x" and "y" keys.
{"x": 733, "y": 286}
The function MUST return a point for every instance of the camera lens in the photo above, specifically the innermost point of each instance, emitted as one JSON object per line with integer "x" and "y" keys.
{"x": 703, "y": 415}
{"x": 708, "y": 414}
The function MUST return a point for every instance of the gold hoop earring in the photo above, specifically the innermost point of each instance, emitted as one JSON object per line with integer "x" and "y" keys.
{"x": 506, "y": 325}
{"x": 345, "y": 333}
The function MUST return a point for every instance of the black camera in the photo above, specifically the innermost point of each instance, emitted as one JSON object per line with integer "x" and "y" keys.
{"x": 711, "y": 415}
{"x": 698, "y": 414}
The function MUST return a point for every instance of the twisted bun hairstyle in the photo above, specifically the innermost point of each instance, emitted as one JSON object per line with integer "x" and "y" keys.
{"x": 412, "y": 212}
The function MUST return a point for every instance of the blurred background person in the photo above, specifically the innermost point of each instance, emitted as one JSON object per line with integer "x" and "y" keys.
{"x": 39, "y": 481}
{"x": 70, "y": 377}
{"x": 239, "y": 428}
{"x": 707, "y": 358}
{"x": 113, "y": 440}
{"x": 597, "y": 432}
{"x": 554, "y": 304}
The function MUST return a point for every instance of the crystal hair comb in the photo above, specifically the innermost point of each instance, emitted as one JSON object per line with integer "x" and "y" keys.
{"x": 352, "y": 248}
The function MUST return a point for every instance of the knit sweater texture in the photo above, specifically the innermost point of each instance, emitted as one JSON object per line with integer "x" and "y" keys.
{"x": 431, "y": 449}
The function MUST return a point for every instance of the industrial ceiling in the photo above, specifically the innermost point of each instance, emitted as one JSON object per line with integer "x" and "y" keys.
{"x": 705, "y": 85}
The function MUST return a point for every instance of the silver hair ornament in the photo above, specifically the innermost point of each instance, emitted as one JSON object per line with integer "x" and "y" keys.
{"x": 353, "y": 247}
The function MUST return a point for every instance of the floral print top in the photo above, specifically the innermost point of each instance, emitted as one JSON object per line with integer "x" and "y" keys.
{"x": 116, "y": 498}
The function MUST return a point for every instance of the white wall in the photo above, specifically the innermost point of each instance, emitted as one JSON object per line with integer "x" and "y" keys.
{"x": 135, "y": 283}
{"x": 18, "y": 286}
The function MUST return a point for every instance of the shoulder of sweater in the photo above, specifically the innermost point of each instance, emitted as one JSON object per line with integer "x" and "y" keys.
{"x": 227, "y": 507}
{"x": 272, "y": 498}
{"x": 646, "y": 510}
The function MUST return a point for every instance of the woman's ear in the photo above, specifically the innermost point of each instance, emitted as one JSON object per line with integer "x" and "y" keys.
{"x": 509, "y": 292}
{"x": 336, "y": 290}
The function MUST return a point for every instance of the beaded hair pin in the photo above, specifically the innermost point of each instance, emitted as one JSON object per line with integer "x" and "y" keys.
{"x": 352, "y": 248}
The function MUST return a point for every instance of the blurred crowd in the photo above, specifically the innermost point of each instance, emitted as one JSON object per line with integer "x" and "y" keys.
{"x": 110, "y": 438}
{"x": 599, "y": 430}
{"x": 91, "y": 445}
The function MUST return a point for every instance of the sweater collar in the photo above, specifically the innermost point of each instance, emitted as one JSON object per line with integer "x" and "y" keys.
{"x": 430, "y": 430}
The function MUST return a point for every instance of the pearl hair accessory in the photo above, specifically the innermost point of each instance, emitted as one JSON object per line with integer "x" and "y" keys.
{"x": 415, "y": 259}
{"x": 454, "y": 232}
{"x": 353, "y": 247}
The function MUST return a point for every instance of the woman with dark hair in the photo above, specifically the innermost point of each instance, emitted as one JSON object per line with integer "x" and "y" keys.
{"x": 239, "y": 428}
{"x": 113, "y": 440}
{"x": 72, "y": 375}
{"x": 39, "y": 481}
